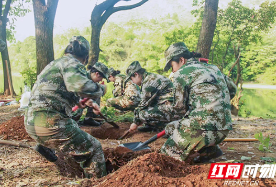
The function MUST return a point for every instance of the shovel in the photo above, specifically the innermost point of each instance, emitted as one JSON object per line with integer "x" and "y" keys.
{"x": 138, "y": 146}
{"x": 83, "y": 101}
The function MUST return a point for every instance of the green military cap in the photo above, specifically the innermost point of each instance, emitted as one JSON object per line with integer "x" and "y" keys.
{"x": 103, "y": 69}
{"x": 172, "y": 51}
{"x": 82, "y": 41}
{"x": 132, "y": 68}
{"x": 110, "y": 71}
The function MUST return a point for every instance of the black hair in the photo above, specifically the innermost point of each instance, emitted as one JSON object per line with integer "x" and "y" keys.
{"x": 140, "y": 72}
{"x": 94, "y": 70}
{"x": 116, "y": 72}
{"x": 75, "y": 48}
{"x": 186, "y": 55}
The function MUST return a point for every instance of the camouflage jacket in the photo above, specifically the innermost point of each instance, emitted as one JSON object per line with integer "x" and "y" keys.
{"x": 132, "y": 93}
{"x": 155, "y": 90}
{"x": 118, "y": 85}
{"x": 202, "y": 95}
{"x": 59, "y": 86}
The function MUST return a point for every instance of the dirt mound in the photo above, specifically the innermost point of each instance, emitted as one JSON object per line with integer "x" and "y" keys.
{"x": 14, "y": 129}
{"x": 155, "y": 169}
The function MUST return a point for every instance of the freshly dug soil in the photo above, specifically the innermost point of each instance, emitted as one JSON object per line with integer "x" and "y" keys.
{"x": 156, "y": 169}
{"x": 14, "y": 129}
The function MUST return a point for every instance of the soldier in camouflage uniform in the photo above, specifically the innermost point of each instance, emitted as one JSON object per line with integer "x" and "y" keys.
{"x": 202, "y": 96}
{"x": 155, "y": 98}
{"x": 96, "y": 73}
{"x": 126, "y": 96}
{"x": 48, "y": 119}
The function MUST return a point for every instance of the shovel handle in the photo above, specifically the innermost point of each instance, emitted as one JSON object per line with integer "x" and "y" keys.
{"x": 110, "y": 122}
{"x": 83, "y": 101}
{"x": 155, "y": 137}
{"x": 124, "y": 135}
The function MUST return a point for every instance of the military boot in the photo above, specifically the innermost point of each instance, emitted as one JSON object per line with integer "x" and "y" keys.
{"x": 208, "y": 153}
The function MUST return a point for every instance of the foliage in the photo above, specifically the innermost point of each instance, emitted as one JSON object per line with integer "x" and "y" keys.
{"x": 258, "y": 102}
{"x": 18, "y": 8}
{"x": 264, "y": 142}
{"x": 113, "y": 114}
{"x": 29, "y": 76}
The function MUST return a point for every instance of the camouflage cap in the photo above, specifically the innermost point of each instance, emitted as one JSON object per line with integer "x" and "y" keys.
{"x": 110, "y": 71}
{"x": 132, "y": 68}
{"x": 82, "y": 41}
{"x": 172, "y": 51}
{"x": 103, "y": 69}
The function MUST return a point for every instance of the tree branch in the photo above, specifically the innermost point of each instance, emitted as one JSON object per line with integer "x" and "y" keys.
{"x": 234, "y": 65}
{"x": 112, "y": 9}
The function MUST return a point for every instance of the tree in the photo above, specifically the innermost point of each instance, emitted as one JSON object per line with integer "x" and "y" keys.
{"x": 44, "y": 16}
{"x": 7, "y": 9}
{"x": 207, "y": 28}
{"x": 99, "y": 15}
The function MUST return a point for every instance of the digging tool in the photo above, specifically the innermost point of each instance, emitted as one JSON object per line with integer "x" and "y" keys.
{"x": 83, "y": 101}
{"x": 138, "y": 146}
{"x": 240, "y": 139}
{"x": 44, "y": 151}
{"x": 124, "y": 135}
{"x": 110, "y": 122}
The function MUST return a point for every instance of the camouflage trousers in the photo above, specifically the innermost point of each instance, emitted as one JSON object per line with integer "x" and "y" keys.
{"x": 121, "y": 103}
{"x": 55, "y": 131}
{"x": 184, "y": 140}
{"x": 156, "y": 116}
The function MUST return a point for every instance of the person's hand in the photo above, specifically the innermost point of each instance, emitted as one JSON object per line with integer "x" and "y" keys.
{"x": 89, "y": 103}
{"x": 133, "y": 127}
{"x": 96, "y": 108}
{"x": 80, "y": 105}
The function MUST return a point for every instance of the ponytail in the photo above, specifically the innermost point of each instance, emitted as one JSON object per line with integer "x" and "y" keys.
{"x": 75, "y": 48}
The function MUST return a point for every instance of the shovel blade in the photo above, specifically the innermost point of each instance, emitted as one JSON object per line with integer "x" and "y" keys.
{"x": 134, "y": 146}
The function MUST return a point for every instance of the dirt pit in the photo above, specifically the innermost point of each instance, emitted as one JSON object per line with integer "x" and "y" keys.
{"x": 106, "y": 132}
{"x": 120, "y": 156}
{"x": 14, "y": 129}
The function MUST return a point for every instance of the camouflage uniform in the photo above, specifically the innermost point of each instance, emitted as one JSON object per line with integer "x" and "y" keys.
{"x": 125, "y": 97}
{"x": 156, "y": 98}
{"x": 48, "y": 119}
{"x": 88, "y": 110}
{"x": 201, "y": 95}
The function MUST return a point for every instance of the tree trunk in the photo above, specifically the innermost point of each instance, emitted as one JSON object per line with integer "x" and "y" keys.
{"x": 5, "y": 53}
{"x": 44, "y": 16}
{"x": 95, "y": 45}
{"x": 207, "y": 28}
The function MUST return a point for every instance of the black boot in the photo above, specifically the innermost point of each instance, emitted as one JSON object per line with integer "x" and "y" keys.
{"x": 90, "y": 122}
{"x": 147, "y": 128}
{"x": 47, "y": 153}
{"x": 208, "y": 153}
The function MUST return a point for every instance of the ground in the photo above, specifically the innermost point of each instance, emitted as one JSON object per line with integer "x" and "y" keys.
{"x": 24, "y": 167}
